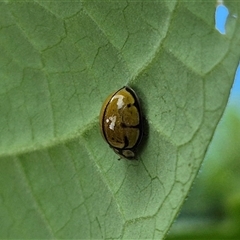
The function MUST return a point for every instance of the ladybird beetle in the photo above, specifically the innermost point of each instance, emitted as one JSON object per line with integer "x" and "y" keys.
{"x": 121, "y": 122}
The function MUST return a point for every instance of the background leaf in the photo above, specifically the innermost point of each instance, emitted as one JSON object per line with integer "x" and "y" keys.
{"x": 58, "y": 62}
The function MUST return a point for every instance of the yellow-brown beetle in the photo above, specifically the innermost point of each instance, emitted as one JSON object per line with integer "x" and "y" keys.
{"x": 121, "y": 122}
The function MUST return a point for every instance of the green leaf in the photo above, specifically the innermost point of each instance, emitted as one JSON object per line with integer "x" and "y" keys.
{"x": 58, "y": 62}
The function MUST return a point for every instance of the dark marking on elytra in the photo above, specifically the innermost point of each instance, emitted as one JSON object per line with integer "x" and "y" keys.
{"x": 126, "y": 142}
{"x": 123, "y": 125}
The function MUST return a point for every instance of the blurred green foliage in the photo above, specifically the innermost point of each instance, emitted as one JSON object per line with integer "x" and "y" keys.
{"x": 212, "y": 210}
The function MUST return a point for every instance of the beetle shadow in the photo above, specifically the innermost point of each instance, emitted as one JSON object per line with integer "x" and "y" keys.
{"x": 142, "y": 145}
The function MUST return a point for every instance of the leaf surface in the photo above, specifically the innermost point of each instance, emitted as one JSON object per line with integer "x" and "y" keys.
{"x": 58, "y": 63}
